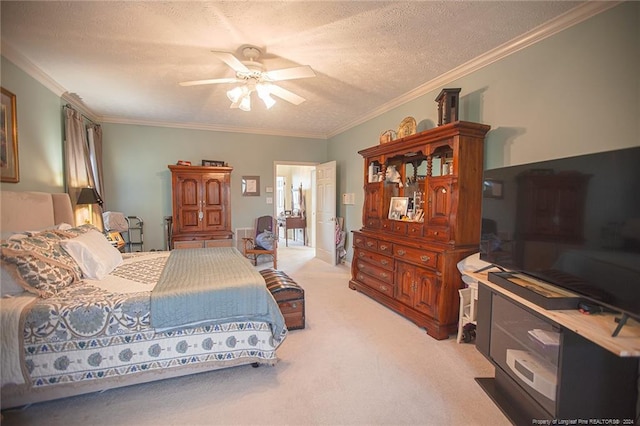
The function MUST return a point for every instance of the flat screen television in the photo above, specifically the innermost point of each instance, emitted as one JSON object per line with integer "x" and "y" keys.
{"x": 572, "y": 222}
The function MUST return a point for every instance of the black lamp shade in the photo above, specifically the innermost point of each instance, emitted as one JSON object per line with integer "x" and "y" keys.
{"x": 89, "y": 196}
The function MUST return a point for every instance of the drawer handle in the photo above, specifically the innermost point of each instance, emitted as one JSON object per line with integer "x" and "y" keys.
{"x": 425, "y": 258}
{"x": 435, "y": 232}
{"x": 360, "y": 277}
{"x": 361, "y": 265}
{"x": 294, "y": 305}
{"x": 384, "y": 275}
{"x": 358, "y": 240}
{"x": 384, "y": 262}
{"x": 383, "y": 288}
{"x": 369, "y": 244}
{"x": 383, "y": 247}
{"x": 361, "y": 254}
{"x": 401, "y": 252}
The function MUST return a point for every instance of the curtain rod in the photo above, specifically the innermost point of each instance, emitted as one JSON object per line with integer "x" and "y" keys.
{"x": 81, "y": 114}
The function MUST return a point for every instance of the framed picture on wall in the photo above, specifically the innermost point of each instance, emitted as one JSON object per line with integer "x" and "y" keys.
{"x": 250, "y": 186}
{"x": 9, "y": 165}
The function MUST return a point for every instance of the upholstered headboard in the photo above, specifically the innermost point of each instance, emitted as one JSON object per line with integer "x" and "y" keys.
{"x": 20, "y": 211}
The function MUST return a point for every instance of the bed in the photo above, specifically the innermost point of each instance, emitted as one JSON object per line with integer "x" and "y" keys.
{"x": 77, "y": 316}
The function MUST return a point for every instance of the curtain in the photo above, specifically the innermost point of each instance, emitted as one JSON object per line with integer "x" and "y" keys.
{"x": 78, "y": 171}
{"x": 94, "y": 135}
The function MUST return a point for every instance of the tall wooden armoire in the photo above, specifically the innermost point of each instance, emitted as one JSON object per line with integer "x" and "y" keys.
{"x": 201, "y": 206}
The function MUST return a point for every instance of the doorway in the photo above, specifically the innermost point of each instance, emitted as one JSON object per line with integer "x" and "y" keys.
{"x": 295, "y": 198}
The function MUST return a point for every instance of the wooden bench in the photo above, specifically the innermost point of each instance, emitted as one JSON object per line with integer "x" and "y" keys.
{"x": 289, "y": 296}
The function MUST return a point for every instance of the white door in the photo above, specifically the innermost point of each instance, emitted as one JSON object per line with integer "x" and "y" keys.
{"x": 326, "y": 212}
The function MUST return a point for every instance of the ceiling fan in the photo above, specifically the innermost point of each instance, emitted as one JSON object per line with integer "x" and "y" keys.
{"x": 252, "y": 76}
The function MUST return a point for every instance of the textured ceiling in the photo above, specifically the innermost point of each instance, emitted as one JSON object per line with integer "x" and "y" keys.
{"x": 124, "y": 60}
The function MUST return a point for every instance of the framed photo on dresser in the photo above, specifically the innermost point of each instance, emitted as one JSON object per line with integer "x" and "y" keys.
{"x": 398, "y": 207}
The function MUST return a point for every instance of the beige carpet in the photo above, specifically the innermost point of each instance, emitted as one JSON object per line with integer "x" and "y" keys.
{"x": 356, "y": 363}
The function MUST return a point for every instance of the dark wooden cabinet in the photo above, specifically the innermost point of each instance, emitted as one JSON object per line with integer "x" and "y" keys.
{"x": 201, "y": 206}
{"x": 409, "y": 263}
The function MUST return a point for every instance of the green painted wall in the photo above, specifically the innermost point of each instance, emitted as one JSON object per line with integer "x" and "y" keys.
{"x": 575, "y": 92}
{"x": 138, "y": 181}
{"x": 40, "y": 132}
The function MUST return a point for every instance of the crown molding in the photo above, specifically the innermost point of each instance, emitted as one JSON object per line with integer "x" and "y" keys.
{"x": 572, "y": 17}
{"x": 31, "y": 69}
{"x": 211, "y": 127}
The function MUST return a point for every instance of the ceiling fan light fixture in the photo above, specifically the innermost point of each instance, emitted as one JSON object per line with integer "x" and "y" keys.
{"x": 252, "y": 77}
{"x": 268, "y": 101}
{"x": 245, "y": 103}
{"x": 235, "y": 94}
{"x": 264, "y": 92}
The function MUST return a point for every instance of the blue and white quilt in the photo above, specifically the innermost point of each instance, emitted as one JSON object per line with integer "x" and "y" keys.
{"x": 96, "y": 329}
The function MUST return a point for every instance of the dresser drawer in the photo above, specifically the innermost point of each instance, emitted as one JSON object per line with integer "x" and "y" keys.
{"x": 438, "y": 233}
{"x": 373, "y": 223}
{"x": 418, "y": 256}
{"x": 218, "y": 243}
{"x": 375, "y": 259}
{"x": 385, "y": 247}
{"x": 399, "y": 227}
{"x": 188, "y": 244}
{"x": 375, "y": 271}
{"x": 414, "y": 229}
{"x": 371, "y": 244}
{"x": 359, "y": 241}
{"x": 382, "y": 287}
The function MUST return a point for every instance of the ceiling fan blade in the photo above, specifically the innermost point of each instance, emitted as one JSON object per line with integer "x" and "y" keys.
{"x": 210, "y": 81}
{"x": 232, "y": 61}
{"x": 304, "y": 71}
{"x": 286, "y": 95}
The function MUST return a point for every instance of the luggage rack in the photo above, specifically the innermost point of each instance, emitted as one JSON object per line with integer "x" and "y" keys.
{"x": 135, "y": 234}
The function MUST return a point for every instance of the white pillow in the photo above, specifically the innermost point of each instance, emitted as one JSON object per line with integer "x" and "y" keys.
{"x": 93, "y": 253}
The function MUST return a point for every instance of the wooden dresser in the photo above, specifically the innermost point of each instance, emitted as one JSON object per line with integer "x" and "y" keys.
{"x": 201, "y": 206}
{"x": 409, "y": 265}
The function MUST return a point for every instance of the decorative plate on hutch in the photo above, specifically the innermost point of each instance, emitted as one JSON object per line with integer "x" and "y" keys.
{"x": 407, "y": 127}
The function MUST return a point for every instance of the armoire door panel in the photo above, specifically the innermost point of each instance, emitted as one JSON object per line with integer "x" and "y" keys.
{"x": 188, "y": 192}
{"x": 213, "y": 191}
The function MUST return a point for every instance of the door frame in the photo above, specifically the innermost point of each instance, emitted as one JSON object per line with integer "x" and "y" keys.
{"x": 311, "y": 214}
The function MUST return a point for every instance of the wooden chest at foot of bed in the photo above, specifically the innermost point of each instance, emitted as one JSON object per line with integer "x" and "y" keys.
{"x": 289, "y": 296}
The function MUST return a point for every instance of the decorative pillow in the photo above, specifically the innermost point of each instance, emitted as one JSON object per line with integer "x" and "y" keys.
{"x": 93, "y": 253}
{"x": 13, "y": 235}
{"x": 8, "y": 284}
{"x": 74, "y": 232}
{"x": 39, "y": 263}
{"x": 265, "y": 240}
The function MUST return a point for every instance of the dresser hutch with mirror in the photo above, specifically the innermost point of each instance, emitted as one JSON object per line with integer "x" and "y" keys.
{"x": 421, "y": 216}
